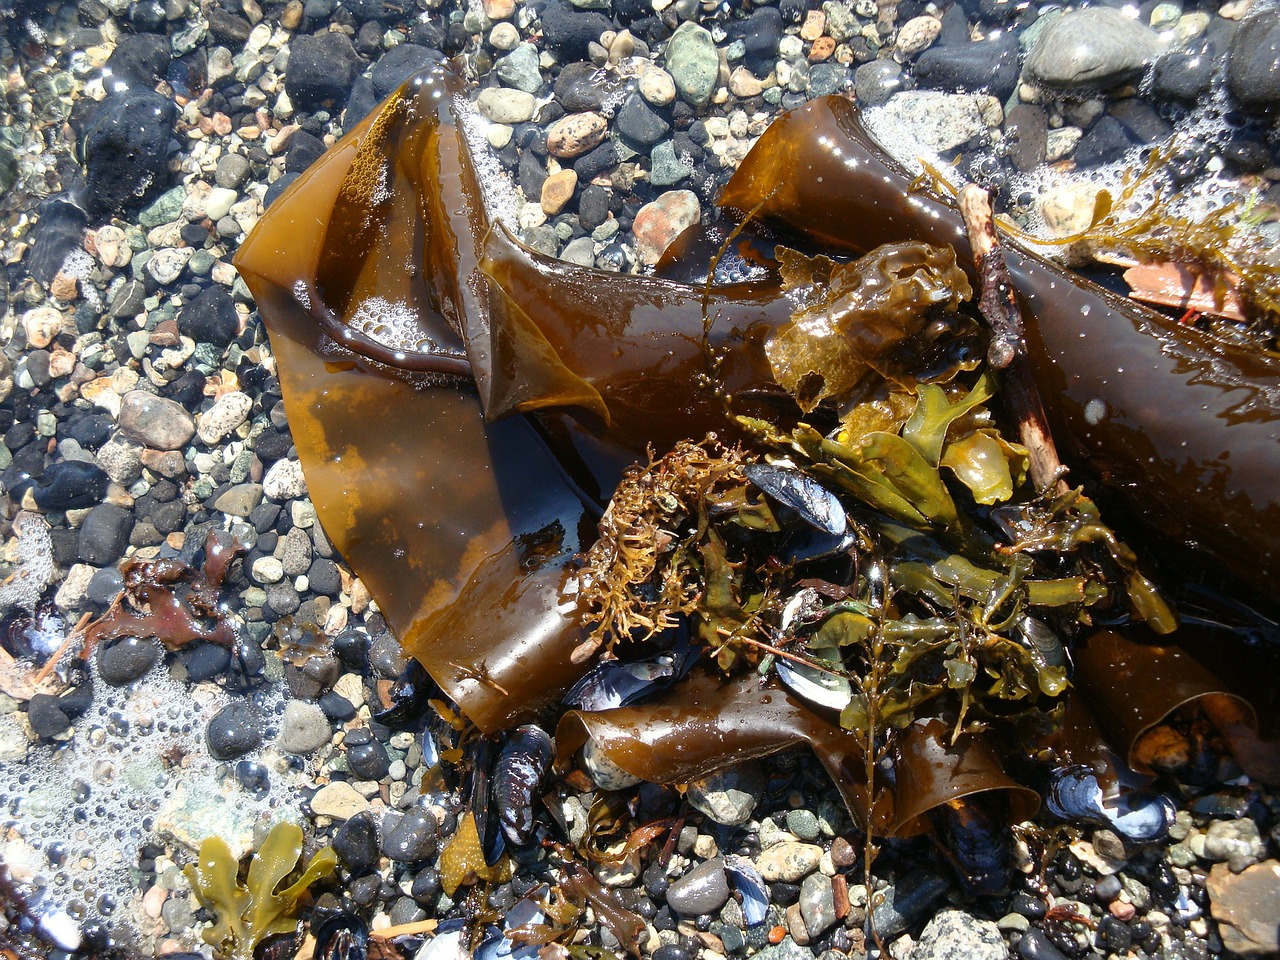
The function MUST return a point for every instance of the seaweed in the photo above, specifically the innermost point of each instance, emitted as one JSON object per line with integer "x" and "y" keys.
{"x": 250, "y": 911}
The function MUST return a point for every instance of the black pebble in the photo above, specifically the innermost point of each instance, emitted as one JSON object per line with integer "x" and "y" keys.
{"x": 104, "y": 534}
{"x": 1182, "y": 76}
{"x": 46, "y": 716}
{"x": 639, "y": 123}
{"x": 126, "y": 151}
{"x": 105, "y": 585}
{"x": 277, "y": 187}
{"x": 70, "y": 485}
{"x": 1028, "y": 906}
{"x": 91, "y": 430}
{"x": 1105, "y": 141}
{"x": 1034, "y": 945}
{"x": 877, "y": 81}
{"x": 413, "y": 838}
{"x": 126, "y": 659}
{"x": 304, "y": 150}
{"x": 1026, "y": 129}
{"x": 337, "y": 707}
{"x": 1251, "y": 61}
{"x": 985, "y": 65}
{"x": 321, "y": 71}
{"x": 210, "y": 317}
{"x": 761, "y": 33}
{"x": 352, "y": 648}
{"x": 1141, "y": 120}
{"x": 386, "y": 656}
{"x": 247, "y": 665}
{"x": 254, "y": 777}
{"x": 568, "y": 31}
{"x": 426, "y": 888}
{"x": 593, "y": 206}
{"x": 324, "y": 578}
{"x": 532, "y": 175}
{"x": 356, "y": 843}
{"x": 368, "y": 761}
{"x": 233, "y": 732}
{"x": 59, "y": 230}
{"x": 364, "y": 890}
{"x": 1114, "y": 934}
{"x": 590, "y": 165}
{"x": 204, "y": 661}
{"x": 139, "y": 60}
{"x": 578, "y": 89}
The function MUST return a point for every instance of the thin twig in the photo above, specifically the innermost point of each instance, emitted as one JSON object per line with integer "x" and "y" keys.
{"x": 407, "y": 929}
{"x": 1008, "y": 350}
{"x": 61, "y": 651}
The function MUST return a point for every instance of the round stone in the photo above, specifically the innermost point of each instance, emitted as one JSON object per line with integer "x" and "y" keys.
{"x": 233, "y": 732}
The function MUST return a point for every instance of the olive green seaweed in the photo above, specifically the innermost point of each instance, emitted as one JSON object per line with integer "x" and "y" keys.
{"x": 248, "y": 913}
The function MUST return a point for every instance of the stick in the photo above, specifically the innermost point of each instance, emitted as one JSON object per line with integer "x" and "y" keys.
{"x": 1008, "y": 350}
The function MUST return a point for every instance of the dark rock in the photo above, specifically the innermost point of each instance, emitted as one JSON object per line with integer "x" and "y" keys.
{"x": 1141, "y": 121}
{"x": 413, "y": 838}
{"x": 104, "y": 534}
{"x": 91, "y": 430}
{"x": 593, "y": 207}
{"x": 232, "y": 170}
{"x": 67, "y": 485}
{"x": 139, "y": 60}
{"x": 105, "y": 585}
{"x": 233, "y": 732}
{"x": 321, "y": 71}
{"x": 210, "y": 317}
{"x": 352, "y": 648}
{"x": 533, "y": 174}
{"x": 579, "y": 89}
{"x": 368, "y": 761}
{"x": 364, "y": 890}
{"x": 304, "y": 150}
{"x": 827, "y": 78}
{"x": 324, "y": 578}
{"x": 704, "y": 889}
{"x": 46, "y": 716}
{"x": 278, "y": 187}
{"x": 760, "y": 33}
{"x": 1026, "y": 129}
{"x": 58, "y": 231}
{"x": 1253, "y": 61}
{"x": 254, "y": 777}
{"x": 1034, "y": 945}
{"x": 337, "y": 707}
{"x": 567, "y": 31}
{"x": 1182, "y": 76}
{"x": 640, "y": 124}
{"x": 380, "y": 10}
{"x": 591, "y": 165}
{"x": 272, "y": 445}
{"x": 984, "y": 66}
{"x": 1105, "y": 141}
{"x": 908, "y": 901}
{"x": 356, "y": 843}
{"x": 1246, "y": 154}
{"x": 126, "y": 146}
{"x": 426, "y": 888}
{"x": 228, "y": 27}
{"x": 386, "y": 657}
{"x": 877, "y": 81}
{"x": 398, "y": 64}
{"x": 405, "y": 910}
{"x": 126, "y": 659}
{"x": 282, "y": 598}
{"x": 147, "y": 15}
{"x": 955, "y": 28}
{"x": 204, "y": 661}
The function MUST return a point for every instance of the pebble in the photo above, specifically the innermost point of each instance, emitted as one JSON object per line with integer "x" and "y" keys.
{"x": 240, "y": 500}
{"x": 656, "y": 86}
{"x": 955, "y": 935}
{"x": 1034, "y": 945}
{"x": 126, "y": 145}
{"x": 154, "y": 421}
{"x": 104, "y": 534}
{"x": 693, "y": 62}
{"x": 413, "y": 837}
{"x": 322, "y": 70}
{"x": 504, "y": 105}
{"x": 304, "y": 729}
{"x": 519, "y": 69}
{"x": 228, "y": 412}
{"x": 917, "y": 35}
{"x": 789, "y": 861}
{"x": 576, "y": 133}
{"x": 984, "y": 65}
{"x": 660, "y": 221}
{"x": 639, "y": 123}
{"x": 941, "y": 121}
{"x": 233, "y": 731}
{"x": 67, "y": 485}
{"x": 368, "y": 761}
{"x": 126, "y": 659}
{"x": 284, "y": 481}
{"x": 704, "y": 889}
{"x": 356, "y": 843}
{"x": 557, "y": 191}
{"x": 817, "y": 904}
{"x": 877, "y": 81}
{"x": 1244, "y": 904}
{"x": 1253, "y": 61}
{"x": 909, "y": 900}
{"x": 1091, "y": 48}
{"x": 338, "y": 800}
{"x": 1235, "y": 840}
{"x": 1182, "y": 76}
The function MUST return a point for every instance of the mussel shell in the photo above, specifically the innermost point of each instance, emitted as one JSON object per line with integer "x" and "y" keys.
{"x": 518, "y": 775}
{"x": 343, "y": 936}
{"x": 1139, "y": 816}
{"x": 409, "y": 696}
{"x": 748, "y": 881}
{"x": 816, "y": 505}
{"x": 816, "y": 686}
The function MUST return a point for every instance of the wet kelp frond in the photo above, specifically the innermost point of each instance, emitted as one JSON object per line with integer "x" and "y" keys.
{"x": 248, "y": 912}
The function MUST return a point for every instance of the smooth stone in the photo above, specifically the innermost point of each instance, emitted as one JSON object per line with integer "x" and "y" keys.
{"x": 69, "y": 485}
{"x": 1034, "y": 945}
{"x": 322, "y": 70}
{"x": 125, "y": 144}
{"x": 907, "y": 901}
{"x": 657, "y": 86}
{"x": 368, "y": 761}
{"x": 917, "y": 35}
{"x": 228, "y": 412}
{"x": 693, "y": 62}
{"x": 232, "y": 171}
{"x": 127, "y": 659}
{"x": 1253, "y": 61}
{"x": 356, "y": 843}
{"x": 233, "y": 731}
{"x": 817, "y": 904}
{"x": 984, "y": 66}
{"x": 284, "y": 481}
{"x": 789, "y": 861}
{"x": 940, "y": 121}
{"x": 1107, "y": 140}
{"x": 519, "y": 69}
{"x": 1244, "y": 905}
{"x": 504, "y": 105}
{"x": 639, "y": 124}
{"x": 1182, "y": 76}
{"x": 728, "y": 796}
{"x": 240, "y": 500}
{"x": 557, "y": 191}
{"x": 955, "y": 935}
{"x": 665, "y": 168}
{"x": 576, "y": 133}
{"x": 104, "y": 534}
{"x": 1095, "y": 47}
{"x": 413, "y": 837}
{"x": 157, "y": 422}
{"x": 1141, "y": 121}
{"x": 1026, "y": 129}
{"x": 338, "y": 800}
{"x": 660, "y": 221}
{"x": 704, "y": 889}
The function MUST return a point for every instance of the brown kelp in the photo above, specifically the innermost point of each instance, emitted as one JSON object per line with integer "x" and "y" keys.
{"x": 465, "y": 522}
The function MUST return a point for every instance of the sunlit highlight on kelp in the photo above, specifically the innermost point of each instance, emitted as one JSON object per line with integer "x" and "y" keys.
{"x": 830, "y": 538}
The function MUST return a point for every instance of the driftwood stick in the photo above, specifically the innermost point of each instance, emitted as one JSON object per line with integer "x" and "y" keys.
{"x": 1007, "y": 352}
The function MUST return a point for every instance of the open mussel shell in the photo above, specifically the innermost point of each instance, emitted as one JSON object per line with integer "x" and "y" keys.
{"x": 1074, "y": 795}
{"x": 819, "y": 687}
{"x": 816, "y": 505}
{"x": 747, "y": 880}
{"x": 932, "y": 771}
{"x": 1133, "y": 686}
{"x": 517, "y": 779}
{"x": 343, "y": 936}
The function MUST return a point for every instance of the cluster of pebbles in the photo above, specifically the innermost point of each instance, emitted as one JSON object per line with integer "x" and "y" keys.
{"x": 140, "y": 410}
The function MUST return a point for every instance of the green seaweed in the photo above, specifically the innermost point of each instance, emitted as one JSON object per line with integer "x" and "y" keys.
{"x": 249, "y": 912}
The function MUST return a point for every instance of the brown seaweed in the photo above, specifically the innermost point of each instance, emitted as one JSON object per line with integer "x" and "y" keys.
{"x": 462, "y": 422}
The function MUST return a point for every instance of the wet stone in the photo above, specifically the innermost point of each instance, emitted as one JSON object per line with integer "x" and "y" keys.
{"x": 46, "y": 716}
{"x": 386, "y": 657}
{"x": 987, "y": 66}
{"x": 693, "y": 62}
{"x": 1253, "y": 61}
{"x": 1182, "y": 76}
{"x": 104, "y": 534}
{"x": 157, "y": 422}
{"x": 704, "y": 889}
{"x": 1096, "y": 47}
{"x": 877, "y": 81}
{"x": 907, "y": 902}
{"x": 337, "y": 707}
{"x": 69, "y": 485}
{"x": 127, "y": 659}
{"x": 639, "y": 123}
{"x": 356, "y": 843}
{"x": 789, "y": 861}
{"x": 321, "y": 70}
{"x": 368, "y": 761}
{"x": 1233, "y": 840}
{"x": 804, "y": 824}
{"x": 233, "y": 732}
{"x": 1026, "y": 129}
{"x": 817, "y": 904}
{"x": 1244, "y": 906}
{"x": 955, "y": 935}
{"x": 304, "y": 729}
{"x": 412, "y": 838}
{"x": 729, "y": 796}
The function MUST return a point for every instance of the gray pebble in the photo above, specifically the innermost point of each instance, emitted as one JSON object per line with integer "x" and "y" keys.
{"x": 817, "y": 904}
{"x": 955, "y": 935}
{"x": 304, "y": 729}
{"x": 704, "y": 889}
